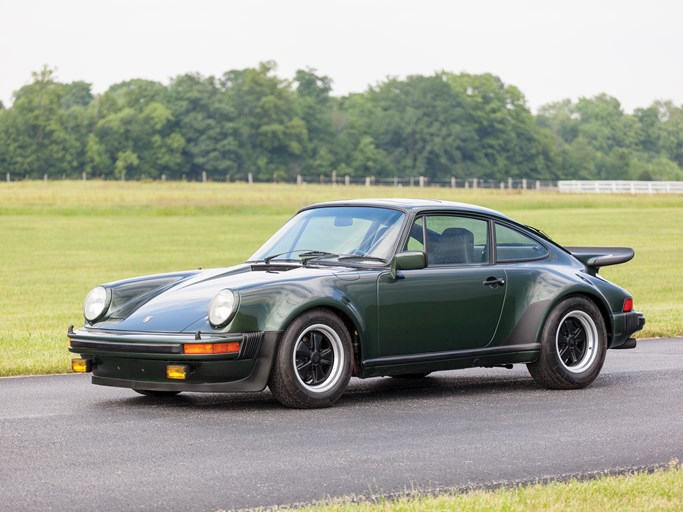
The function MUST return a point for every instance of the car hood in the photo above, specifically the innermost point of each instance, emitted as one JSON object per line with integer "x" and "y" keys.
{"x": 174, "y": 302}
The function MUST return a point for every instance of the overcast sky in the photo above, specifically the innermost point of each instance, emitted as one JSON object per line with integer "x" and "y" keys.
{"x": 551, "y": 50}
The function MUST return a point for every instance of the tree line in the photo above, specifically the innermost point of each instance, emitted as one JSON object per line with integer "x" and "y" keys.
{"x": 251, "y": 121}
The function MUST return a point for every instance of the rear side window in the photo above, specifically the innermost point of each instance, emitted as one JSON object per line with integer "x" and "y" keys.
{"x": 511, "y": 245}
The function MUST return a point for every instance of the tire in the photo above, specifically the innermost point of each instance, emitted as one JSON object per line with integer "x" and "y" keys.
{"x": 158, "y": 394}
{"x": 573, "y": 346}
{"x": 313, "y": 362}
{"x": 420, "y": 375}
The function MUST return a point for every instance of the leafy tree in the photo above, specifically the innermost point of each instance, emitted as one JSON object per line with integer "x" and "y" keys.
{"x": 252, "y": 121}
{"x": 208, "y": 123}
{"x": 37, "y": 135}
{"x": 273, "y": 134}
{"x": 133, "y": 135}
{"x": 315, "y": 107}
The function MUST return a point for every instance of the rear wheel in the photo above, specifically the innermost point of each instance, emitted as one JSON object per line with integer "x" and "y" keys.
{"x": 313, "y": 364}
{"x": 149, "y": 392}
{"x": 573, "y": 346}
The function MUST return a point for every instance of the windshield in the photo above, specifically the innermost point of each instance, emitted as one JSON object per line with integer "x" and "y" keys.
{"x": 335, "y": 231}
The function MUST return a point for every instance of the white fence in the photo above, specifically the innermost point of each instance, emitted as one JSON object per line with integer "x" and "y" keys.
{"x": 620, "y": 187}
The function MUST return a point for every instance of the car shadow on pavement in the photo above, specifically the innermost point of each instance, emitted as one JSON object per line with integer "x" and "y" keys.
{"x": 437, "y": 387}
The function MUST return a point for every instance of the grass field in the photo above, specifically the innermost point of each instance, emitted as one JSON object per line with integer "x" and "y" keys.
{"x": 639, "y": 492}
{"x": 59, "y": 239}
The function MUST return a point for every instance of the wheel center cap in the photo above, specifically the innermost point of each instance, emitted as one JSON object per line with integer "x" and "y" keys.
{"x": 315, "y": 357}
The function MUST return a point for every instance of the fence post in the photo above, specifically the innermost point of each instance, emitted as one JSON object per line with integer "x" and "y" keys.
{"x": 203, "y": 176}
{"x": 299, "y": 179}
{"x": 347, "y": 180}
{"x": 422, "y": 181}
{"x": 250, "y": 179}
{"x": 502, "y": 185}
{"x": 367, "y": 181}
{"x": 467, "y": 184}
{"x": 395, "y": 181}
{"x": 8, "y": 178}
{"x": 524, "y": 183}
{"x": 452, "y": 181}
{"x": 412, "y": 181}
{"x": 163, "y": 177}
{"x": 474, "y": 183}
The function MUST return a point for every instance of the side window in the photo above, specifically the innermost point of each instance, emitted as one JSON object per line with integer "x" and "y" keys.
{"x": 512, "y": 245}
{"x": 415, "y": 242}
{"x": 454, "y": 240}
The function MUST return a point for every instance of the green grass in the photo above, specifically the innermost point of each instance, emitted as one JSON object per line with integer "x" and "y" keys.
{"x": 661, "y": 490}
{"x": 59, "y": 239}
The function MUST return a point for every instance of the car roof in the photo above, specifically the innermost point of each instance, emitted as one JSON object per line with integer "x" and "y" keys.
{"x": 407, "y": 204}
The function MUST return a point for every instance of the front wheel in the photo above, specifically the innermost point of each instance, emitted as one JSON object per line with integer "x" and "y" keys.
{"x": 573, "y": 346}
{"x": 313, "y": 364}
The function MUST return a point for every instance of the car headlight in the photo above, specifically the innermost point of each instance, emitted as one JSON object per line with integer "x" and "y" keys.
{"x": 96, "y": 303}
{"x": 222, "y": 307}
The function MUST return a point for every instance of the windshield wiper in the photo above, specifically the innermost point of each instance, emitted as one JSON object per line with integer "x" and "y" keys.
{"x": 305, "y": 255}
{"x": 361, "y": 257}
{"x": 315, "y": 255}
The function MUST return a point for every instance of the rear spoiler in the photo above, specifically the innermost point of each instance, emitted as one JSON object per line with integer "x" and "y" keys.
{"x": 596, "y": 257}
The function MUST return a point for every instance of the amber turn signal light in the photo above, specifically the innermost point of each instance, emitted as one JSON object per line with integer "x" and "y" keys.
{"x": 177, "y": 371}
{"x": 81, "y": 365}
{"x": 212, "y": 348}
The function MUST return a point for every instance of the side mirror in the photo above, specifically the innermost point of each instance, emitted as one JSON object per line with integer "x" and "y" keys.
{"x": 408, "y": 260}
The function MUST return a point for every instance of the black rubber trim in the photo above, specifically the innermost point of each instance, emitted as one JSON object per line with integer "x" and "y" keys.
{"x": 154, "y": 348}
{"x": 250, "y": 344}
{"x": 451, "y": 354}
{"x": 628, "y": 344}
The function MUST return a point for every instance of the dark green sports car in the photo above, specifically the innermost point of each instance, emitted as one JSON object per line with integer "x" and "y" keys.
{"x": 363, "y": 288}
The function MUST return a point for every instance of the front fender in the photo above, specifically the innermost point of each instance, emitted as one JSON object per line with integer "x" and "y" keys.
{"x": 273, "y": 308}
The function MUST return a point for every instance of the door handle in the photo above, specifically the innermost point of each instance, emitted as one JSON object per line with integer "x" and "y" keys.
{"x": 494, "y": 281}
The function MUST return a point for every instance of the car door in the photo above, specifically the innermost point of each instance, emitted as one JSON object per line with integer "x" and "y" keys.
{"x": 454, "y": 303}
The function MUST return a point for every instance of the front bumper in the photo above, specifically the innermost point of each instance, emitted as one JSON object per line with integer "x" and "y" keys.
{"x": 139, "y": 360}
{"x": 625, "y": 325}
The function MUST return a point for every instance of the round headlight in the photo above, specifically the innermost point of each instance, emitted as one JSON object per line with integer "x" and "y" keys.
{"x": 223, "y": 306}
{"x": 96, "y": 303}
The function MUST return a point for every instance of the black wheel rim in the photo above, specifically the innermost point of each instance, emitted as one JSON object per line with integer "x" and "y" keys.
{"x": 314, "y": 358}
{"x": 571, "y": 341}
{"x": 576, "y": 341}
{"x": 318, "y": 358}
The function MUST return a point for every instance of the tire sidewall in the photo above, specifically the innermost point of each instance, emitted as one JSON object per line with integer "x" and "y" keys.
{"x": 285, "y": 383}
{"x": 549, "y": 353}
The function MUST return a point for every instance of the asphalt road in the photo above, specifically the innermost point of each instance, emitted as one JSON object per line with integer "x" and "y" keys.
{"x": 68, "y": 445}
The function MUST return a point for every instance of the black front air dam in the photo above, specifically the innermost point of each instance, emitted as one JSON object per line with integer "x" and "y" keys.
{"x": 257, "y": 380}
